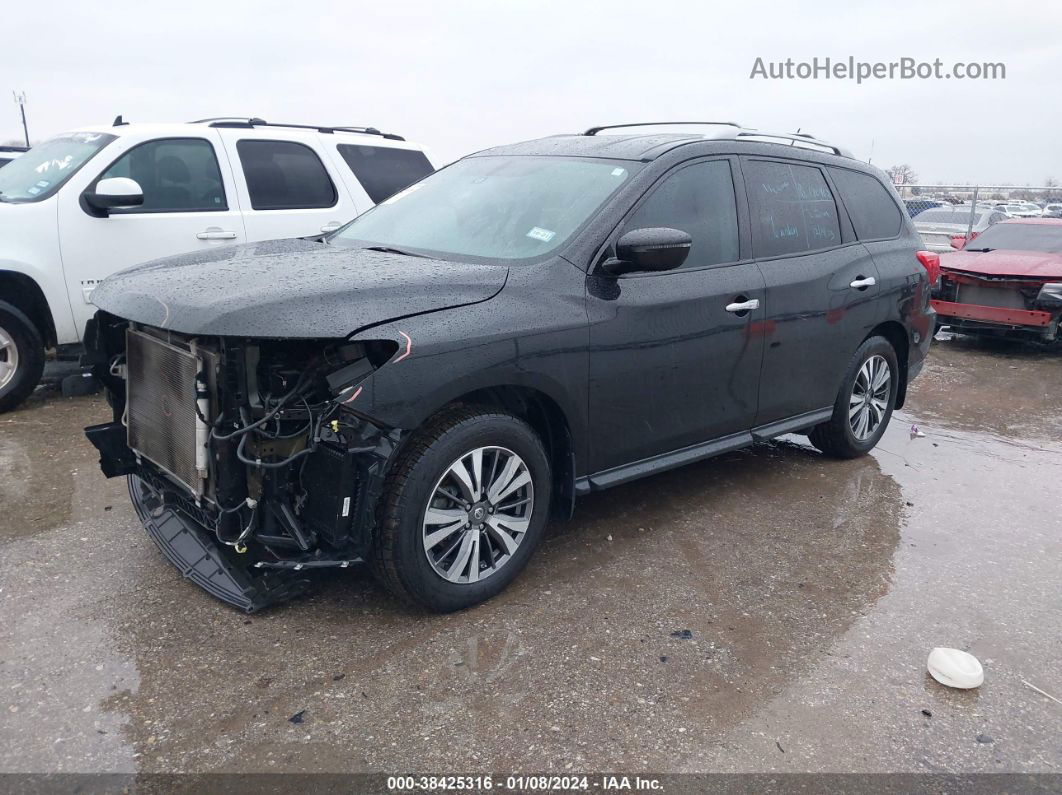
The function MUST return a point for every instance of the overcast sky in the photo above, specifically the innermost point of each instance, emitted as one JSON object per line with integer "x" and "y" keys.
{"x": 462, "y": 76}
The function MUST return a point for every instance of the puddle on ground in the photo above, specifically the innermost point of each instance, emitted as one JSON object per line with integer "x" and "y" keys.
{"x": 49, "y": 472}
{"x": 764, "y": 556}
{"x": 991, "y": 386}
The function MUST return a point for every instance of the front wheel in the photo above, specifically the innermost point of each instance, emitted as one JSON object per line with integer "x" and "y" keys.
{"x": 21, "y": 357}
{"x": 464, "y": 507}
{"x": 864, "y": 402}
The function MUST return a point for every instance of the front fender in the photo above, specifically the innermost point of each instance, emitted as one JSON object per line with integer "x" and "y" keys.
{"x": 435, "y": 364}
{"x": 29, "y": 247}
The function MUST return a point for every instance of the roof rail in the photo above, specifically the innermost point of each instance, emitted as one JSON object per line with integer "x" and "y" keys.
{"x": 596, "y": 130}
{"x": 253, "y": 121}
{"x": 798, "y": 139}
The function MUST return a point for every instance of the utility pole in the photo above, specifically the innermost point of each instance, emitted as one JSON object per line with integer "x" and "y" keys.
{"x": 20, "y": 100}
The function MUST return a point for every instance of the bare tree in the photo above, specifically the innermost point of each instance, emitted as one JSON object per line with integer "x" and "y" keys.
{"x": 902, "y": 175}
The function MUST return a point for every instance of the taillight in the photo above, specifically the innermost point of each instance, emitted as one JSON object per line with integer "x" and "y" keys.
{"x": 931, "y": 262}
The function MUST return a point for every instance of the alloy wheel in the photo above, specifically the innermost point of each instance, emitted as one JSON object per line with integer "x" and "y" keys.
{"x": 8, "y": 357}
{"x": 869, "y": 400}
{"x": 478, "y": 514}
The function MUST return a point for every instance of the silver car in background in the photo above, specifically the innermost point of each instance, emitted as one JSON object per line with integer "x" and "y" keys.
{"x": 1020, "y": 209}
{"x": 944, "y": 228}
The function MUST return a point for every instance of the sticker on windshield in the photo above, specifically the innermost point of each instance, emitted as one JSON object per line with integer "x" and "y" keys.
{"x": 538, "y": 233}
{"x": 402, "y": 194}
{"x": 619, "y": 172}
{"x": 59, "y": 164}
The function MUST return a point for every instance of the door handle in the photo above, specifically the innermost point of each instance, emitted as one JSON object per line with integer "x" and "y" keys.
{"x": 743, "y": 306}
{"x": 332, "y": 226}
{"x": 862, "y": 283}
{"x": 216, "y": 234}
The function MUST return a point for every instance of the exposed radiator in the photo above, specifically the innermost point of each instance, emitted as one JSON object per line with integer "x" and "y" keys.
{"x": 161, "y": 405}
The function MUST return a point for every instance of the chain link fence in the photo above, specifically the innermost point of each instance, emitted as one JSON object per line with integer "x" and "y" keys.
{"x": 920, "y": 196}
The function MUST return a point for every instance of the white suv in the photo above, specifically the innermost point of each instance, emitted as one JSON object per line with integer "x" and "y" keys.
{"x": 85, "y": 204}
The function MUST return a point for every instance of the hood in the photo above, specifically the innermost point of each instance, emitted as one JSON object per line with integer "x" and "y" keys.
{"x": 291, "y": 289}
{"x": 1005, "y": 262}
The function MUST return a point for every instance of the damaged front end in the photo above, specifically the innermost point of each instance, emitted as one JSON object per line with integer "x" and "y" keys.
{"x": 246, "y": 463}
{"x": 1012, "y": 306}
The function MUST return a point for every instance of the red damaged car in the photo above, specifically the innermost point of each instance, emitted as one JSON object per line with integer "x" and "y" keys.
{"x": 1005, "y": 282}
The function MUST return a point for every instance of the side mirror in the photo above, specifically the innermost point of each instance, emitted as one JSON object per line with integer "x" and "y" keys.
{"x": 114, "y": 193}
{"x": 958, "y": 241}
{"x": 657, "y": 248}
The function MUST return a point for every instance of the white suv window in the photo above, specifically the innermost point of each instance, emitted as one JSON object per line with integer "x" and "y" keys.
{"x": 284, "y": 175}
{"x": 176, "y": 175}
{"x": 384, "y": 170}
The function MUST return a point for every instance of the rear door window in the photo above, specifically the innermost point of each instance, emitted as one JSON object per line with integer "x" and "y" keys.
{"x": 384, "y": 171}
{"x": 285, "y": 175}
{"x": 698, "y": 200}
{"x": 793, "y": 210}
{"x": 870, "y": 204}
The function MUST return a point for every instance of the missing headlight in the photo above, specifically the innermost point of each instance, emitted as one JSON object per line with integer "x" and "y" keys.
{"x": 1050, "y": 295}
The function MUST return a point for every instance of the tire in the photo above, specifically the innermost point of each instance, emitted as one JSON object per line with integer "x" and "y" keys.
{"x": 401, "y": 559}
{"x": 842, "y": 437}
{"x": 22, "y": 346}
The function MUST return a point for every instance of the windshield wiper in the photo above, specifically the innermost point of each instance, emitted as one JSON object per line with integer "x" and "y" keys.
{"x": 390, "y": 250}
{"x": 979, "y": 250}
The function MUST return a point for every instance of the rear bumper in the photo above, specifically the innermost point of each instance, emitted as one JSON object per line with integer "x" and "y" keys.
{"x": 1002, "y": 316}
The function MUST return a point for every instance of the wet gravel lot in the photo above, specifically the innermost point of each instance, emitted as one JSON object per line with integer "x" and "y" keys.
{"x": 770, "y": 610}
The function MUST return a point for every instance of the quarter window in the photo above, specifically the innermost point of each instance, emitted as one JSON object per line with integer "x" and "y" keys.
{"x": 284, "y": 175}
{"x": 793, "y": 210}
{"x": 870, "y": 204}
{"x": 175, "y": 174}
{"x": 698, "y": 200}
{"x": 384, "y": 171}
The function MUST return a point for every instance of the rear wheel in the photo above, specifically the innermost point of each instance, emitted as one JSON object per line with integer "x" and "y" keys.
{"x": 21, "y": 357}
{"x": 464, "y": 507}
{"x": 864, "y": 402}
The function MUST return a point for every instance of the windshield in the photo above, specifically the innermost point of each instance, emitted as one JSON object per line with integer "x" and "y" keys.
{"x": 1020, "y": 237}
{"x": 42, "y": 170}
{"x": 493, "y": 207}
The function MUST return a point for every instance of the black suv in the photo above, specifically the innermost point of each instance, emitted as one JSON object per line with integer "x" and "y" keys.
{"x": 427, "y": 387}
